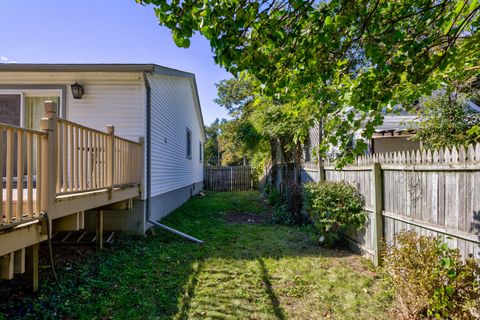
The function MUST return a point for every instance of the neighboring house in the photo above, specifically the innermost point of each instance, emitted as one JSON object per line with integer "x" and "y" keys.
{"x": 395, "y": 134}
{"x": 141, "y": 100}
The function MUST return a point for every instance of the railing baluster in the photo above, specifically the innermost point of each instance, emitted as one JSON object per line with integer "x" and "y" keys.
{"x": 64, "y": 160}
{"x": 110, "y": 159}
{"x": 97, "y": 166}
{"x": 89, "y": 157}
{"x": 38, "y": 183}
{"x": 115, "y": 164}
{"x": 105, "y": 165}
{"x": 94, "y": 159}
{"x": 71, "y": 175}
{"x": 124, "y": 164}
{"x": 19, "y": 212}
{"x": 77, "y": 183}
{"x": 9, "y": 177}
{"x": 1, "y": 168}
{"x": 80, "y": 159}
{"x": 29, "y": 174}
{"x": 59, "y": 163}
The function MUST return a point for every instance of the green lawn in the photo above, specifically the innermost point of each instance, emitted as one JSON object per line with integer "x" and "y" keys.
{"x": 243, "y": 271}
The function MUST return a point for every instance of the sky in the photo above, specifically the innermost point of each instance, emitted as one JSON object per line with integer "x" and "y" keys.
{"x": 103, "y": 31}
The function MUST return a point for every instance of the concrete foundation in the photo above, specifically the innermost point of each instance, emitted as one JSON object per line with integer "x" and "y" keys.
{"x": 134, "y": 220}
{"x": 163, "y": 204}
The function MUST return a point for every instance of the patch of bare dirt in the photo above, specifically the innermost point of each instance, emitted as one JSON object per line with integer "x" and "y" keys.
{"x": 246, "y": 218}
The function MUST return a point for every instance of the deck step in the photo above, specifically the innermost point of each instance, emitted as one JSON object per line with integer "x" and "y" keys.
{"x": 80, "y": 238}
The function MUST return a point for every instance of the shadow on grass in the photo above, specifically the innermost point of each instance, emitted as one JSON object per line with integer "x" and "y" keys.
{"x": 277, "y": 310}
{"x": 164, "y": 277}
{"x": 186, "y": 301}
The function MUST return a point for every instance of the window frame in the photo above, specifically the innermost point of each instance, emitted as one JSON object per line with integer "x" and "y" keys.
{"x": 36, "y": 91}
{"x": 189, "y": 146}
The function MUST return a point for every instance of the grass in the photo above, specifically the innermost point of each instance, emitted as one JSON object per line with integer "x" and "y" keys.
{"x": 243, "y": 271}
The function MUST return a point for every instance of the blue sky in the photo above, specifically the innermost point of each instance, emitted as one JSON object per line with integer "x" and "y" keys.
{"x": 103, "y": 31}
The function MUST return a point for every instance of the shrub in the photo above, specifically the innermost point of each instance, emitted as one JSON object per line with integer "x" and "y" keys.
{"x": 332, "y": 207}
{"x": 272, "y": 196}
{"x": 284, "y": 205}
{"x": 281, "y": 215}
{"x": 431, "y": 280}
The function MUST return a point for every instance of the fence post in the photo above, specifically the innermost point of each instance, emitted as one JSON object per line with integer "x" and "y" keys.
{"x": 48, "y": 157}
{"x": 377, "y": 222}
{"x": 321, "y": 165}
{"x": 110, "y": 159}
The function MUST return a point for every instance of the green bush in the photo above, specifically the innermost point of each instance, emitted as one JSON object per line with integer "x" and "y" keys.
{"x": 431, "y": 280}
{"x": 281, "y": 215}
{"x": 332, "y": 207}
{"x": 272, "y": 196}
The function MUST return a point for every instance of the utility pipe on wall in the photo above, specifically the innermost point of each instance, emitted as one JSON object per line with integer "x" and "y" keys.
{"x": 181, "y": 234}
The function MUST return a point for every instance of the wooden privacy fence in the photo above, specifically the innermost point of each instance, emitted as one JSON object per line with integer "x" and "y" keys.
{"x": 433, "y": 193}
{"x": 231, "y": 178}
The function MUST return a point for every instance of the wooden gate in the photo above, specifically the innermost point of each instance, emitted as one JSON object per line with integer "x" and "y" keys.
{"x": 232, "y": 178}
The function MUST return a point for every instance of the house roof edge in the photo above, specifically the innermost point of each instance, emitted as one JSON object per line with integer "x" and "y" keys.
{"x": 93, "y": 67}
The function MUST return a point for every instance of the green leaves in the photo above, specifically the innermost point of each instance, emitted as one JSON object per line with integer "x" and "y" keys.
{"x": 332, "y": 207}
{"x": 180, "y": 41}
{"x": 431, "y": 279}
{"x": 340, "y": 54}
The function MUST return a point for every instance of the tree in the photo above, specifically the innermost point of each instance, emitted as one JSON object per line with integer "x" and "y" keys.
{"x": 352, "y": 58}
{"x": 211, "y": 147}
{"x": 240, "y": 141}
{"x": 236, "y": 94}
{"x": 445, "y": 120}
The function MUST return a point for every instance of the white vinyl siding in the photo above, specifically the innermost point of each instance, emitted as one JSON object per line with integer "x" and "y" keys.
{"x": 110, "y": 98}
{"x": 173, "y": 111}
{"x": 120, "y": 99}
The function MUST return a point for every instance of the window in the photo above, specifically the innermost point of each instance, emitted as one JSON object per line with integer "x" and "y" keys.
{"x": 25, "y": 106}
{"x": 200, "y": 150}
{"x": 189, "y": 144}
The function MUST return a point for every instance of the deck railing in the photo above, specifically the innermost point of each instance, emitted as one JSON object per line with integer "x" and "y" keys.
{"x": 20, "y": 161}
{"x": 63, "y": 158}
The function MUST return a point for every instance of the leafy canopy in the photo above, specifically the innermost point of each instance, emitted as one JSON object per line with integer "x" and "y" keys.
{"x": 353, "y": 58}
{"x": 445, "y": 120}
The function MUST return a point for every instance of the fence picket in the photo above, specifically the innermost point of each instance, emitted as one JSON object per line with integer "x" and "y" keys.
{"x": 436, "y": 196}
{"x": 229, "y": 178}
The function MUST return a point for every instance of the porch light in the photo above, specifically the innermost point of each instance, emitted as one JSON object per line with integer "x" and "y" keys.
{"x": 77, "y": 90}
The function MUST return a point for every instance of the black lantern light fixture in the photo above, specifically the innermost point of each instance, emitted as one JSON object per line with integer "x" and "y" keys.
{"x": 77, "y": 90}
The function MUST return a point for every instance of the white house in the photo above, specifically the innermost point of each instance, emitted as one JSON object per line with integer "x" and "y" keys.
{"x": 156, "y": 103}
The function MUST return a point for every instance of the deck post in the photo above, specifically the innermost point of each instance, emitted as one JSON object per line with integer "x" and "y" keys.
{"x": 99, "y": 229}
{"x": 48, "y": 157}
{"x": 110, "y": 159}
{"x": 32, "y": 265}
{"x": 6, "y": 266}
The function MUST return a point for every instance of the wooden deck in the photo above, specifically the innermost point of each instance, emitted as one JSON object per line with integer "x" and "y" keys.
{"x": 65, "y": 169}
